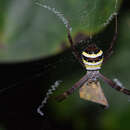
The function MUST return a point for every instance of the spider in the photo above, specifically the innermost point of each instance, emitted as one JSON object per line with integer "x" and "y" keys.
{"x": 91, "y": 59}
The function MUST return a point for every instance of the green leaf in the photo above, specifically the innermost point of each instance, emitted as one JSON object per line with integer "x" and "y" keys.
{"x": 29, "y": 31}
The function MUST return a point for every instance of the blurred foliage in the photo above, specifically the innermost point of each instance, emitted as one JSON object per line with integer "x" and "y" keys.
{"x": 30, "y": 32}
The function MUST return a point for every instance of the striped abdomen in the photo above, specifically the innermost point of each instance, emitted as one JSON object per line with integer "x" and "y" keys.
{"x": 92, "y": 57}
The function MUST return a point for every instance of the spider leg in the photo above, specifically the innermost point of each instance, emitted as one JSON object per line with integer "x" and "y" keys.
{"x": 114, "y": 85}
{"x": 74, "y": 87}
{"x": 76, "y": 54}
{"x": 110, "y": 51}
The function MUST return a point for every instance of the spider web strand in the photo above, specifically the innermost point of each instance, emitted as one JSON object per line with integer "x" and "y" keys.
{"x": 49, "y": 92}
{"x": 110, "y": 18}
{"x": 112, "y": 15}
{"x": 57, "y": 13}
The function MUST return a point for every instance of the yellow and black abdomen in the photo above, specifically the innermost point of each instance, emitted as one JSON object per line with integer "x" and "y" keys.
{"x": 92, "y": 58}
